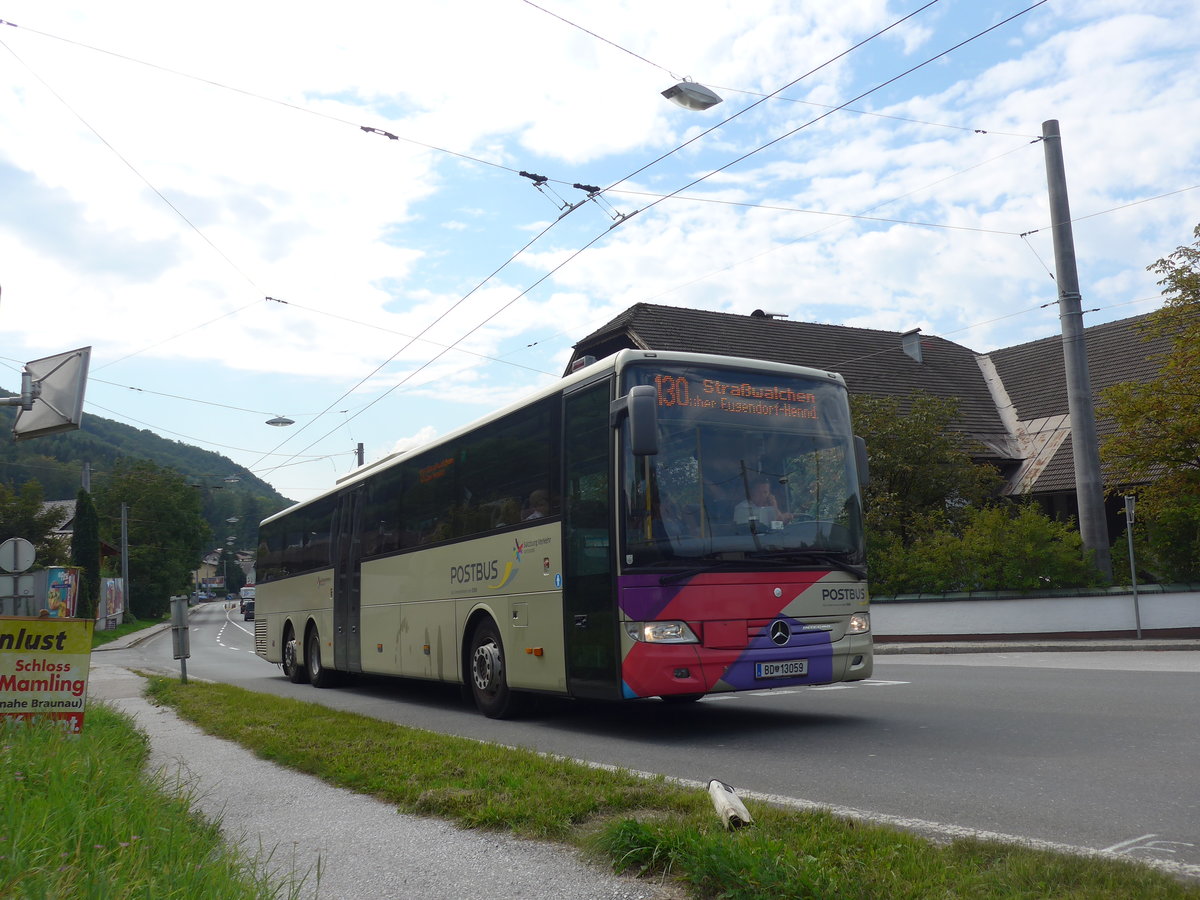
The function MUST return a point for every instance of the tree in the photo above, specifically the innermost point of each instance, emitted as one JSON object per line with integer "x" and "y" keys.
{"x": 85, "y": 552}
{"x": 933, "y": 520}
{"x": 235, "y": 578}
{"x": 1156, "y": 449}
{"x": 23, "y": 515}
{"x": 919, "y": 466}
{"x": 166, "y": 532}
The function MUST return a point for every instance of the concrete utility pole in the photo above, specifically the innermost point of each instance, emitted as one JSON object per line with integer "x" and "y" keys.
{"x": 1085, "y": 445}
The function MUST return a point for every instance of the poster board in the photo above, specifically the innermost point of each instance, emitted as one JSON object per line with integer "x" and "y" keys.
{"x": 44, "y": 665}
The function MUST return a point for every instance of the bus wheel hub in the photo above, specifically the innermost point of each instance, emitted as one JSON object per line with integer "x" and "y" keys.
{"x": 485, "y": 668}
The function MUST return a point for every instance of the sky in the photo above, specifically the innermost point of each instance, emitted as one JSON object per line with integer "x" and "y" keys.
{"x": 271, "y": 209}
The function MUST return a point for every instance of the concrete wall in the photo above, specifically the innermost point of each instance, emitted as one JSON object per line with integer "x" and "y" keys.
{"x": 1165, "y": 610}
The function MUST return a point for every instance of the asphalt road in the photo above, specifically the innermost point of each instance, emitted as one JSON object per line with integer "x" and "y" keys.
{"x": 1089, "y": 750}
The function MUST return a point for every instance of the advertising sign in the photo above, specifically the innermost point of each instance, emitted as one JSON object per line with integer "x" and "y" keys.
{"x": 112, "y": 598}
{"x": 62, "y": 592}
{"x": 44, "y": 668}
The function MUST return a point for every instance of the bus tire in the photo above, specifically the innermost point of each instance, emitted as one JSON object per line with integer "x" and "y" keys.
{"x": 295, "y": 670}
{"x": 318, "y": 675}
{"x": 487, "y": 676}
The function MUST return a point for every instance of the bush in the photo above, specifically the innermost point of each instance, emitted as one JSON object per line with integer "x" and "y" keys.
{"x": 994, "y": 548}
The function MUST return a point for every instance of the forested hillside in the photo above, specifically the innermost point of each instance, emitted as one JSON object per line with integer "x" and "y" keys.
{"x": 57, "y": 460}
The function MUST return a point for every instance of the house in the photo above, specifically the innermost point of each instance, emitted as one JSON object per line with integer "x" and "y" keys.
{"x": 1012, "y": 403}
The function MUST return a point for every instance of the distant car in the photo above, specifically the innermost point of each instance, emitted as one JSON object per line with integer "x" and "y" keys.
{"x": 248, "y": 609}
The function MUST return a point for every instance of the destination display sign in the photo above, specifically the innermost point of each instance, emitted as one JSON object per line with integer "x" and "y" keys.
{"x": 735, "y": 394}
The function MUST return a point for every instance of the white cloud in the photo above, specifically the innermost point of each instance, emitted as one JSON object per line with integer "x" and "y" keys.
{"x": 375, "y": 242}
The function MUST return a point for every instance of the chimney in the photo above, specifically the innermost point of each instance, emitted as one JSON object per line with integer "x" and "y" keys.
{"x": 910, "y": 341}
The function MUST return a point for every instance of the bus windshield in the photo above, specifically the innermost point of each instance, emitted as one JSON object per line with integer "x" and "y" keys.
{"x": 751, "y": 465}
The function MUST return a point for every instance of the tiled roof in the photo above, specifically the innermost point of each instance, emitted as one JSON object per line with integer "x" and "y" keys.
{"x": 872, "y": 362}
{"x": 1034, "y": 376}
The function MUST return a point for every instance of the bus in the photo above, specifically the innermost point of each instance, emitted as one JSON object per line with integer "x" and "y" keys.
{"x": 654, "y": 525}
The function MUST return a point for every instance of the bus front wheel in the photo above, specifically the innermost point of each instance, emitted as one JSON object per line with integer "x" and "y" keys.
{"x": 318, "y": 675}
{"x": 292, "y": 667}
{"x": 489, "y": 684}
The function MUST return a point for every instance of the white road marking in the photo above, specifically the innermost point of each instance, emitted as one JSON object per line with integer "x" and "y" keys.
{"x": 1147, "y": 845}
{"x": 1117, "y": 848}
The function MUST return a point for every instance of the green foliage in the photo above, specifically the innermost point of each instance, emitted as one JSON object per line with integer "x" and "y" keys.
{"x": 1155, "y": 452}
{"x": 81, "y": 822}
{"x": 235, "y": 578}
{"x": 56, "y": 461}
{"x": 992, "y": 548}
{"x": 919, "y": 465}
{"x": 85, "y": 552}
{"x": 22, "y": 515}
{"x": 166, "y": 531}
{"x": 644, "y": 825}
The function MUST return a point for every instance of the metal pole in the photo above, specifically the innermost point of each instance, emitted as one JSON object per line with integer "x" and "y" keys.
{"x": 1137, "y": 609}
{"x": 1085, "y": 445}
{"x": 125, "y": 558}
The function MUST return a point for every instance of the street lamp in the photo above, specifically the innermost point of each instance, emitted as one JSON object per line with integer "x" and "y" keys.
{"x": 280, "y": 421}
{"x": 691, "y": 95}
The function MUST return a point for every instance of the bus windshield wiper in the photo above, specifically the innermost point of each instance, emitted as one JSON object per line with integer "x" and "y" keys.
{"x": 828, "y": 557}
{"x": 746, "y": 564}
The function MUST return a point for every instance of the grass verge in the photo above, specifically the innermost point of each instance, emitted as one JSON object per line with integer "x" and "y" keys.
{"x": 108, "y": 635}
{"x": 79, "y": 819}
{"x": 648, "y": 827}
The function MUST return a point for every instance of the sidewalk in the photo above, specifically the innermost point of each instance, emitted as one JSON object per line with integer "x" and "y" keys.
{"x": 364, "y": 848}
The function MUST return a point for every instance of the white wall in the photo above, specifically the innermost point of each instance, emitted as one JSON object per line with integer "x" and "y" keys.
{"x": 1106, "y": 612}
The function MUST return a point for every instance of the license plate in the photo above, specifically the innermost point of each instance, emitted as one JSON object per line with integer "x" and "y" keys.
{"x": 785, "y": 668}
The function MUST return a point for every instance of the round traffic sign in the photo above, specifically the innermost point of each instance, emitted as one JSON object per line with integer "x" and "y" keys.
{"x": 16, "y": 555}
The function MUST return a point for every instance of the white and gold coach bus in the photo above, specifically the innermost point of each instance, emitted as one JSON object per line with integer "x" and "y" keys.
{"x": 653, "y": 525}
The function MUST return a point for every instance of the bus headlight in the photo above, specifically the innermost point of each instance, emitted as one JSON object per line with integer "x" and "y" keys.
{"x": 860, "y": 623}
{"x": 661, "y": 632}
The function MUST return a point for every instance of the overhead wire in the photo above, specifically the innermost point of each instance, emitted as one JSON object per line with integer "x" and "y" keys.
{"x": 199, "y": 440}
{"x": 596, "y": 191}
{"x": 861, "y": 112}
{"x": 595, "y": 239}
{"x": 134, "y": 169}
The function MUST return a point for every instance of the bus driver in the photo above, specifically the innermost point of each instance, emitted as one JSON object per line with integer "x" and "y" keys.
{"x": 761, "y": 505}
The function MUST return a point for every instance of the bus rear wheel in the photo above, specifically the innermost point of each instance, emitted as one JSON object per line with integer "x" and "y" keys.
{"x": 489, "y": 683}
{"x": 318, "y": 675}
{"x": 292, "y": 667}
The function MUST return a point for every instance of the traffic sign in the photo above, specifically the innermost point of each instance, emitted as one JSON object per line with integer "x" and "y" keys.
{"x": 16, "y": 555}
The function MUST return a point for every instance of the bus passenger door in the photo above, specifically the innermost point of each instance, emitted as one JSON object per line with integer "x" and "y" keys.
{"x": 589, "y": 602}
{"x": 347, "y": 582}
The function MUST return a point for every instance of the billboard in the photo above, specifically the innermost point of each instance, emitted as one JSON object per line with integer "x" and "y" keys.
{"x": 62, "y": 591}
{"x": 44, "y": 668}
{"x": 112, "y": 598}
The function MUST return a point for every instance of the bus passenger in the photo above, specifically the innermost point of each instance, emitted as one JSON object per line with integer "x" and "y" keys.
{"x": 538, "y": 506}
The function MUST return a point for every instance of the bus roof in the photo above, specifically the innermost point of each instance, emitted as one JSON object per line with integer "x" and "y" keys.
{"x": 617, "y": 362}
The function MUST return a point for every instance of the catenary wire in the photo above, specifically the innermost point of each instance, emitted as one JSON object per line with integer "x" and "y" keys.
{"x": 598, "y": 237}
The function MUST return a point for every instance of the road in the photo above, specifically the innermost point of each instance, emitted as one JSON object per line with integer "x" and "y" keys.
{"x": 1094, "y": 750}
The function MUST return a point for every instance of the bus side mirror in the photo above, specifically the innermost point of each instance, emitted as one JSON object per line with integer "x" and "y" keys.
{"x": 641, "y": 405}
{"x": 860, "y": 461}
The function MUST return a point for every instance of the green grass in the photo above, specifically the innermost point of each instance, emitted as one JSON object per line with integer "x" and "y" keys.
{"x": 78, "y": 819}
{"x": 647, "y": 827}
{"x": 109, "y": 635}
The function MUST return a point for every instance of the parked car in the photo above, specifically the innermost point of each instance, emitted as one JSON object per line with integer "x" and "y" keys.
{"x": 247, "y": 609}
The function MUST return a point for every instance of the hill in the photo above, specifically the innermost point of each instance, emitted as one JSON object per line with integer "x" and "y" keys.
{"x": 57, "y": 462}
